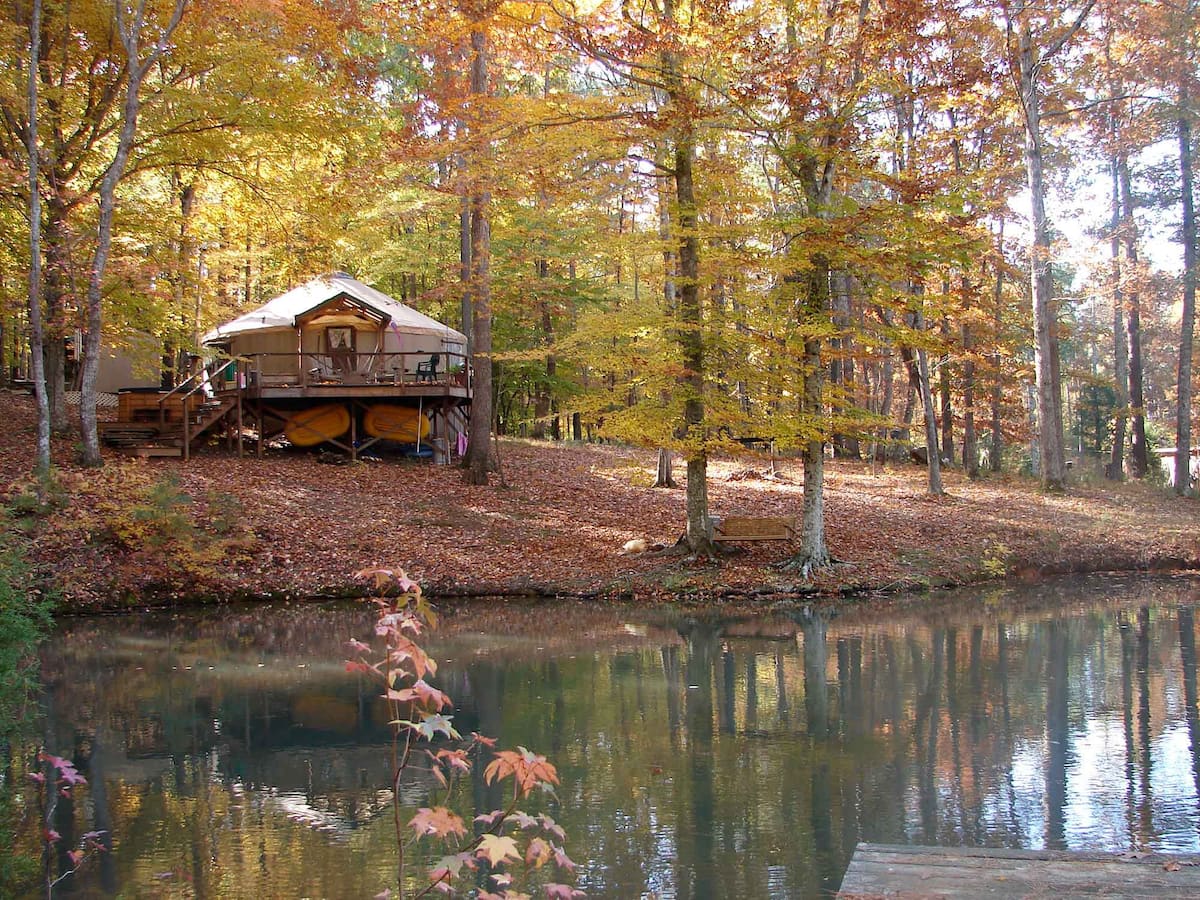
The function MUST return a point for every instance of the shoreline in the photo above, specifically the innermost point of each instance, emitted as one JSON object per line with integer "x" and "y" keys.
{"x": 845, "y": 596}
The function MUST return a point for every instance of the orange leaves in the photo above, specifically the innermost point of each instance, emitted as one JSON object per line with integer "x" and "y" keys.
{"x": 422, "y": 693}
{"x": 405, "y": 660}
{"x": 529, "y": 770}
{"x": 437, "y": 822}
{"x": 383, "y": 579}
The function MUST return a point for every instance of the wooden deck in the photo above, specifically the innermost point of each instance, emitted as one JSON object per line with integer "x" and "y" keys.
{"x": 304, "y": 386}
{"x": 901, "y": 872}
{"x": 237, "y": 393}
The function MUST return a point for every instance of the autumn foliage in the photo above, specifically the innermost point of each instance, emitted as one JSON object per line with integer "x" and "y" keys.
{"x": 426, "y": 741}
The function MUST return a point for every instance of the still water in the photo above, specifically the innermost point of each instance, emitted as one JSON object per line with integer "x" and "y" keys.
{"x": 230, "y": 754}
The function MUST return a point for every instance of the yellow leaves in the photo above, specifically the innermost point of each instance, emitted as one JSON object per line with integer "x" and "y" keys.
{"x": 538, "y": 853}
{"x": 497, "y": 849}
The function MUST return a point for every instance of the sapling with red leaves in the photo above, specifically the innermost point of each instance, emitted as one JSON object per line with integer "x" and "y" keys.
{"x": 58, "y": 779}
{"x": 424, "y": 739}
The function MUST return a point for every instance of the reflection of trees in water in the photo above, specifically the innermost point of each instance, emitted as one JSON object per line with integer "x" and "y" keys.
{"x": 704, "y": 756}
{"x": 1187, "y": 656}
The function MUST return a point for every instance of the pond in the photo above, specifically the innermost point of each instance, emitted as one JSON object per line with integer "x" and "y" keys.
{"x": 741, "y": 754}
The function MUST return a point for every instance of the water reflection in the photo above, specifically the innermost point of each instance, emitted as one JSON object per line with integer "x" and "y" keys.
{"x": 230, "y": 755}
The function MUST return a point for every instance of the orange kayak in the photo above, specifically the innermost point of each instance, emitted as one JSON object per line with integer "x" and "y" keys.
{"x": 396, "y": 423}
{"x": 310, "y": 427}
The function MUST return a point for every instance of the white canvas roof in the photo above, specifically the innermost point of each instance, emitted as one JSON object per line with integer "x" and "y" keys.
{"x": 282, "y": 312}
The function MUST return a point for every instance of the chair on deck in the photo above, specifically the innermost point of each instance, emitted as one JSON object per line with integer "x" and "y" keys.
{"x": 427, "y": 371}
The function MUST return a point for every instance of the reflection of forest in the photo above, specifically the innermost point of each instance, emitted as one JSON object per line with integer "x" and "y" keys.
{"x": 701, "y": 755}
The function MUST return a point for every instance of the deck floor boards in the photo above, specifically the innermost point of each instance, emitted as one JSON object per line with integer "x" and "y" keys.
{"x": 903, "y": 872}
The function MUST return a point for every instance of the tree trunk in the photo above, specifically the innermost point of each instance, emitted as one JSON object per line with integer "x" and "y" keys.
{"x": 947, "y": 405}
{"x": 478, "y": 458}
{"x": 54, "y": 297}
{"x": 1138, "y": 453}
{"x": 542, "y": 400}
{"x": 37, "y": 363}
{"x": 699, "y": 535}
{"x": 1115, "y": 469}
{"x": 664, "y": 477}
{"x": 130, "y": 32}
{"x": 932, "y": 454}
{"x": 1045, "y": 307}
{"x": 970, "y": 452}
{"x": 186, "y": 263}
{"x": 1183, "y": 407}
{"x": 814, "y": 553}
{"x": 464, "y": 262}
{"x": 841, "y": 367}
{"x": 997, "y": 445}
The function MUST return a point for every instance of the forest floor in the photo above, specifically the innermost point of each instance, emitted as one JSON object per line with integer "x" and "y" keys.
{"x": 142, "y": 532}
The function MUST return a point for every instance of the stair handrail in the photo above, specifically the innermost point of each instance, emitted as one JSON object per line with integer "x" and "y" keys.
{"x": 187, "y": 400}
{"x": 199, "y": 378}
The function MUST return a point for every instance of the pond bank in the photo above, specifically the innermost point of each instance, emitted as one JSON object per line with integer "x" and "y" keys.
{"x": 154, "y": 532}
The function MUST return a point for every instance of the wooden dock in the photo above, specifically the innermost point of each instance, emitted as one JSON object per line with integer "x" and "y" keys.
{"x": 901, "y": 872}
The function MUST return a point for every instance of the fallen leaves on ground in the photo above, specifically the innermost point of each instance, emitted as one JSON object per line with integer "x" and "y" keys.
{"x": 557, "y": 522}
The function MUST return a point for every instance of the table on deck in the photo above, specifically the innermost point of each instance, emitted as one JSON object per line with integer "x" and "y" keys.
{"x": 903, "y": 872}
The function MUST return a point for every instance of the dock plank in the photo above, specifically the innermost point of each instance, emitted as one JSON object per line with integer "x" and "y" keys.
{"x": 904, "y": 872}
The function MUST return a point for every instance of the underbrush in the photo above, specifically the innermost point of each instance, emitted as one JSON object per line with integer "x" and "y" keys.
{"x": 24, "y": 623}
{"x": 141, "y": 529}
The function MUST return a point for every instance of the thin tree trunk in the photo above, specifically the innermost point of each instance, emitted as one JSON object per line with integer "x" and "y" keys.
{"x": 1045, "y": 308}
{"x": 841, "y": 367}
{"x": 478, "y": 459}
{"x": 947, "y": 404}
{"x": 1115, "y": 470}
{"x": 933, "y": 456}
{"x": 664, "y": 477}
{"x": 543, "y": 397}
{"x": 37, "y": 363}
{"x": 1183, "y": 408}
{"x": 997, "y": 445}
{"x": 1138, "y": 453}
{"x": 130, "y": 32}
{"x": 464, "y": 262}
{"x": 970, "y": 453}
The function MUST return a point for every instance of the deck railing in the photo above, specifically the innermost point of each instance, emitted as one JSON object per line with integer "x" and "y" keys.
{"x": 306, "y": 369}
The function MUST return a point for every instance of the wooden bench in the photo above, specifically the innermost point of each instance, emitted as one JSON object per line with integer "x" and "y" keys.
{"x": 749, "y": 528}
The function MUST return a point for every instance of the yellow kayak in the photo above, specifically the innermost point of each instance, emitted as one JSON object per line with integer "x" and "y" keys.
{"x": 310, "y": 427}
{"x": 396, "y": 423}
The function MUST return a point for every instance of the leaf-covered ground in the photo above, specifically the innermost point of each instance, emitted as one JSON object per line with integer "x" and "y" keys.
{"x": 141, "y": 531}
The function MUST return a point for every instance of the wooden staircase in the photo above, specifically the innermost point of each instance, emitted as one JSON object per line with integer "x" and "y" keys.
{"x": 145, "y": 438}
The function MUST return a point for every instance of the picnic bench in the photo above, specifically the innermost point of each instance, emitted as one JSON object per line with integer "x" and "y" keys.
{"x": 750, "y": 528}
